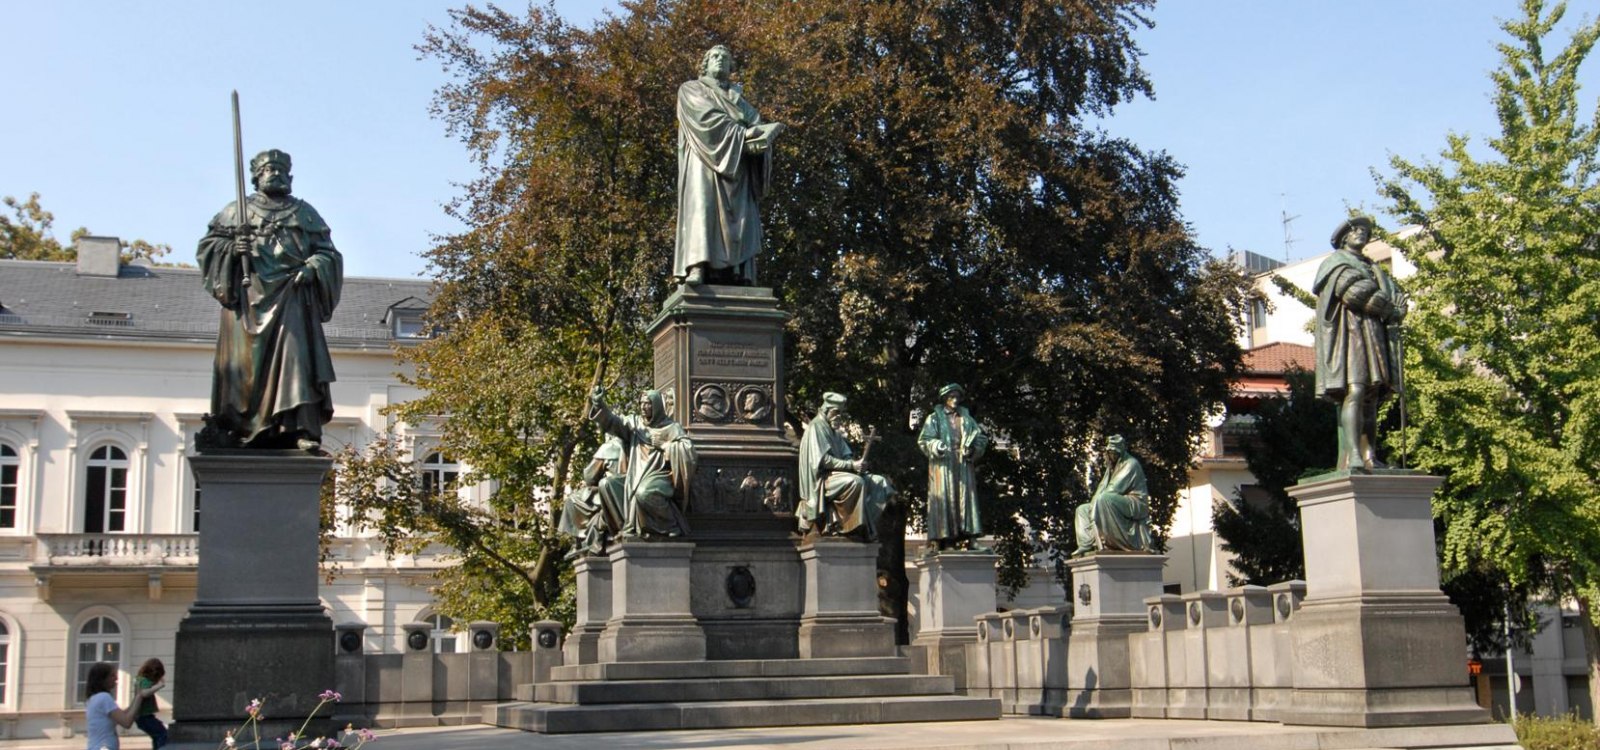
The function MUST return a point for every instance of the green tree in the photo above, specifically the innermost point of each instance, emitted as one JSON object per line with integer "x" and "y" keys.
{"x": 1292, "y": 439}
{"x": 26, "y": 235}
{"x": 942, "y": 210}
{"x": 1503, "y": 341}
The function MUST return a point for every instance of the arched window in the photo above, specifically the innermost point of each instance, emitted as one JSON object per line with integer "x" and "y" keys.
{"x": 99, "y": 639}
{"x": 439, "y": 473}
{"x": 444, "y": 639}
{"x": 5, "y": 662}
{"x": 10, "y": 468}
{"x": 106, "y": 498}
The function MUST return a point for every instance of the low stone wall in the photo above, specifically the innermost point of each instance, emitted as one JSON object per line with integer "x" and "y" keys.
{"x": 422, "y": 688}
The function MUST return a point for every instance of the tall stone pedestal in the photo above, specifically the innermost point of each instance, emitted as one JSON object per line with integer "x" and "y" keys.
{"x": 650, "y": 618}
{"x": 1109, "y": 591}
{"x": 257, "y": 628}
{"x": 719, "y": 352}
{"x": 1376, "y": 644}
{"x": 954, "y": 589}
{"x": 841, "y": 602}
{"x": 593, "y": 574}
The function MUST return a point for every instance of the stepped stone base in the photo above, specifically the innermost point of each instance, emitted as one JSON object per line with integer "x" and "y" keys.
{"x": 627, "y": 696}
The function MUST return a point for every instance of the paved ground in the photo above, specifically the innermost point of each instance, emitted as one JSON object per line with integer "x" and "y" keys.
{"x": 1005, "y": 734}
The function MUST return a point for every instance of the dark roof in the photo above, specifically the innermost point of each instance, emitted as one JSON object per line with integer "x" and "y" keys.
{"x": 43, "y": 298}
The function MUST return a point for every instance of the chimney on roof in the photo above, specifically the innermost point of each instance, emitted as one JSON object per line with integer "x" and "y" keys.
{"x": 99, "y": 256}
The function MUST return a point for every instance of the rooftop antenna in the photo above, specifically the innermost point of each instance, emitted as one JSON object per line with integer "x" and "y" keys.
{"x": 1288, "y": 231}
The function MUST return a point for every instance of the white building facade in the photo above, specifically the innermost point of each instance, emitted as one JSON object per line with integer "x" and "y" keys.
{"x": 105, "y": 372}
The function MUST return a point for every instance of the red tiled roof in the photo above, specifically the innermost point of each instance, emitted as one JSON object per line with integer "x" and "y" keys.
{"x": 1278, "y": 357}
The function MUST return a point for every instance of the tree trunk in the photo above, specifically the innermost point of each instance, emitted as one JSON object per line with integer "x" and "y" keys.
{"x": 1591, "y": 644}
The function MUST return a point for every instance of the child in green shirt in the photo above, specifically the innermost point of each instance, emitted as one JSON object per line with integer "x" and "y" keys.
{"x": 150, "y": 675}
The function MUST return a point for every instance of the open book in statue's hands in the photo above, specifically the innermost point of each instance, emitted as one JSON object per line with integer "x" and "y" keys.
{"x": 765, "y": 135}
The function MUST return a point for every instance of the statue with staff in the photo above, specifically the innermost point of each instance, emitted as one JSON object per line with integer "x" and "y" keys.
{"x": 269, "y": 262}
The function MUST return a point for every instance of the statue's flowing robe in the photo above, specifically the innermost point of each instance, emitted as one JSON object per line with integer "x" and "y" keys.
{"x": 1117, "y": 517}
{"x": 952, "y": 488}
{"x": 832, "y": 496}
{"x": 656, "y": 469}
{"x": 1353, "y": 347}
{"x": 595, "y": 512}
{"x": 719, "y": 185}
{"x": 273, "y": 374}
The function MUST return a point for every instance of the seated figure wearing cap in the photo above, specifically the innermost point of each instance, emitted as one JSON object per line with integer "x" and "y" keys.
{"x": 837, "y": 495}
{"x": 1117, "y": 517}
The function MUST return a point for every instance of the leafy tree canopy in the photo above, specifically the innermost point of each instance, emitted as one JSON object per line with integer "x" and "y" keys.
{"x": 26, "y": 235}
{"x": 942, "y": 211}
{"x": 1503, "y": 349}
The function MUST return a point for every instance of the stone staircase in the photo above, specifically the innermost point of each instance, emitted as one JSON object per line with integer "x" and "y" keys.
{"x": 628, "y": 696}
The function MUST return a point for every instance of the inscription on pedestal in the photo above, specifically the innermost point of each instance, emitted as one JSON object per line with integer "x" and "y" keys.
{"x": 665, "y": 360}
{"x": 726, "y": 354}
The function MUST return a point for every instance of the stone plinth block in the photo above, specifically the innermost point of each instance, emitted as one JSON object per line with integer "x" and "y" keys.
{"x": 650, "y": 618}
{"x": 719, "y": 351}
{"x": 257, "y": 627}
{"x": 1156, "y": 657}
{"x": 1114, "y": 585}
{"x": 1375, "y": 642}
{"x": 953, "y": 589}
{"x": 1109, "y": 593}
{"x": 259, "y": 547}
{"x": 1204, "y": 612}
{"x": 841, "y": 617}
{"x": 593, "y": 573}
{"x": 1368, "y": 533}
{"x": 1232, "y": 652}
{"x": 1041, "y": 650}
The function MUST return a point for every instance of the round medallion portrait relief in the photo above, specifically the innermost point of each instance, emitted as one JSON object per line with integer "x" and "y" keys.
{"x": 754, "y": 404}
{"x": 711, "y": 403}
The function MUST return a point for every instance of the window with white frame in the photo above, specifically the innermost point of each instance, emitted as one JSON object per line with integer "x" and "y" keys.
{"x": 5, "y": 662}
{"x": 443, "y": 638}
{"x": 99, "y": 639}
{"x": 106, "y": 491}
{"x": 10, "y": 470}
{"x": 439, "y": 473}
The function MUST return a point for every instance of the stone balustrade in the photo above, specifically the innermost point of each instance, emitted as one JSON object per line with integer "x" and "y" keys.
{"x": 67, "y": 550}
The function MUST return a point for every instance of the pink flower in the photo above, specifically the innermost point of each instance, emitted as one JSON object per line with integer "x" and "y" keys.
{"x": 329, "y": 695}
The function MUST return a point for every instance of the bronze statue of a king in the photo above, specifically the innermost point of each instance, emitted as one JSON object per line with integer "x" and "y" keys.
{"x": 277, "y": 277}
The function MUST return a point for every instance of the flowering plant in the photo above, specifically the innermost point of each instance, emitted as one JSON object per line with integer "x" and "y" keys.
{"x": 351, "y": 737}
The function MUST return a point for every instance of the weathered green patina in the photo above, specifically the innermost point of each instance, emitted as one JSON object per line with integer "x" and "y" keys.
{"x": 837, "y": 494}
{"x": 594, "y": 514}
{"x": 1359, "y": 310}
{"x": 1117, "y": 517}
{"x": 654, "y": 471}
{"x": 724, "y": 166}
{"x": 278, "y": 277}
{"x": 952, "y": 440}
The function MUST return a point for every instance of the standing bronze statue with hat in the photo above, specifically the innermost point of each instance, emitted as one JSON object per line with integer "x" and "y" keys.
{"x": 1359, "y": 309}
{"x": 952, "y": 440}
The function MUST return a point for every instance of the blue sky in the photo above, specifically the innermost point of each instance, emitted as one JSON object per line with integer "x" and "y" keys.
{"x": 117, "y": 112}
